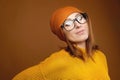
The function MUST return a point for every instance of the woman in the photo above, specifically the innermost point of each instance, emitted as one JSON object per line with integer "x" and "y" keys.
{"x": 80, "y": 60}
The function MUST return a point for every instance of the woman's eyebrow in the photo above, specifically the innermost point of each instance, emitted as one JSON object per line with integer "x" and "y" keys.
{"x": 77, "y": 15}
{"x": 72, "y": 18}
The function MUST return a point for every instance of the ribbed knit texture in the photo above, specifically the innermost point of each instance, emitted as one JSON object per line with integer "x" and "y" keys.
{"x": 62, "y": 66}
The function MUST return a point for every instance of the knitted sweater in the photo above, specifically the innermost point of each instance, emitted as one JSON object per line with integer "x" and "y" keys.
{"x": 62, "y": 66}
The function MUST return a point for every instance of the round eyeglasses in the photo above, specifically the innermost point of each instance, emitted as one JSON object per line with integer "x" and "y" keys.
{"x": 69, "y": 24}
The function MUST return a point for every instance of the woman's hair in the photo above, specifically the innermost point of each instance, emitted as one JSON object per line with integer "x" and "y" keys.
{"x": 57, "y": 20}
{"x": 90, "y": 44}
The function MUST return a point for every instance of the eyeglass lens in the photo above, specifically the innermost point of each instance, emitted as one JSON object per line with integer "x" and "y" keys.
{"x": 69, "y": 24}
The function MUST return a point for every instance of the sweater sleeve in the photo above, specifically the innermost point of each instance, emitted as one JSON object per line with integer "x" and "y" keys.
{"x": 32, "y": 73}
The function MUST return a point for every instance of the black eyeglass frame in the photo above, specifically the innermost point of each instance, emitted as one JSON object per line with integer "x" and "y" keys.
{"x": 83, "y": 14}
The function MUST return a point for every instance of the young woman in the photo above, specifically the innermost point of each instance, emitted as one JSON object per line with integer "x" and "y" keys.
{"x": 80, "y": 60}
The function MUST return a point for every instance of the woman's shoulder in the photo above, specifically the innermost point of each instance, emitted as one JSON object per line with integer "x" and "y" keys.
{"x": 36, "y": 71}
{"x": 52, "y": 62}
{"x": 100, "y": 53}
{"x": 55, "y": 58}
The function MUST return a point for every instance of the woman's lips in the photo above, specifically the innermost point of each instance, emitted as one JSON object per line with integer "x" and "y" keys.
{"x": 80, "y": 32}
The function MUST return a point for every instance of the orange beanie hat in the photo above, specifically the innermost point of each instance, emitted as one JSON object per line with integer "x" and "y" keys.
{"x": 58, "y": 18}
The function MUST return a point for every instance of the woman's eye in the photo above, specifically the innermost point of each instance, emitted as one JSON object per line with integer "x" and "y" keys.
{"x": 68, "y": 23}
{"x": 79, "y": 18}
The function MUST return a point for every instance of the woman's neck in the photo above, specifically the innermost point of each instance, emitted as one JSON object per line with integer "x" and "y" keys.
{"x": 81, "y": 45}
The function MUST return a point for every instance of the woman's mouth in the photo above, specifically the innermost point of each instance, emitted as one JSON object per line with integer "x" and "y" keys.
{"x": 80, "y": 32}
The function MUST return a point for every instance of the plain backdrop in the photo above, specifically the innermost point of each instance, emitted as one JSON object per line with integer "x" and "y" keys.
{"x": 26, "y": 38}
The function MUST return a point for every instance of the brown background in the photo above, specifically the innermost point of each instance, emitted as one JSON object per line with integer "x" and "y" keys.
{"x": 26, "y": 39}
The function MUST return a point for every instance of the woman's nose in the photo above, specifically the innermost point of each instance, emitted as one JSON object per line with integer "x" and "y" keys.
{"x": 77, "y": 24}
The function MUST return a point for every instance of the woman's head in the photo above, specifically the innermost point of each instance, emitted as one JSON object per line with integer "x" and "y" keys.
{"x": 68, "y": 14}
{"x": 57, "y": 19}
{"x": 79, "y": 28}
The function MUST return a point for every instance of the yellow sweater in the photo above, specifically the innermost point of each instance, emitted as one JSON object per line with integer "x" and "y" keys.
{"x": 62, "y": 66}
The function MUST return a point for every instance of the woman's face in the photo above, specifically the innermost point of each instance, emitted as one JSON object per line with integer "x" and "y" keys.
{"x": 76, "y": 28}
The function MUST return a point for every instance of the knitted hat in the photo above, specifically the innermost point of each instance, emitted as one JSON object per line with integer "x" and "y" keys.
{"x": 57, "y": 19}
